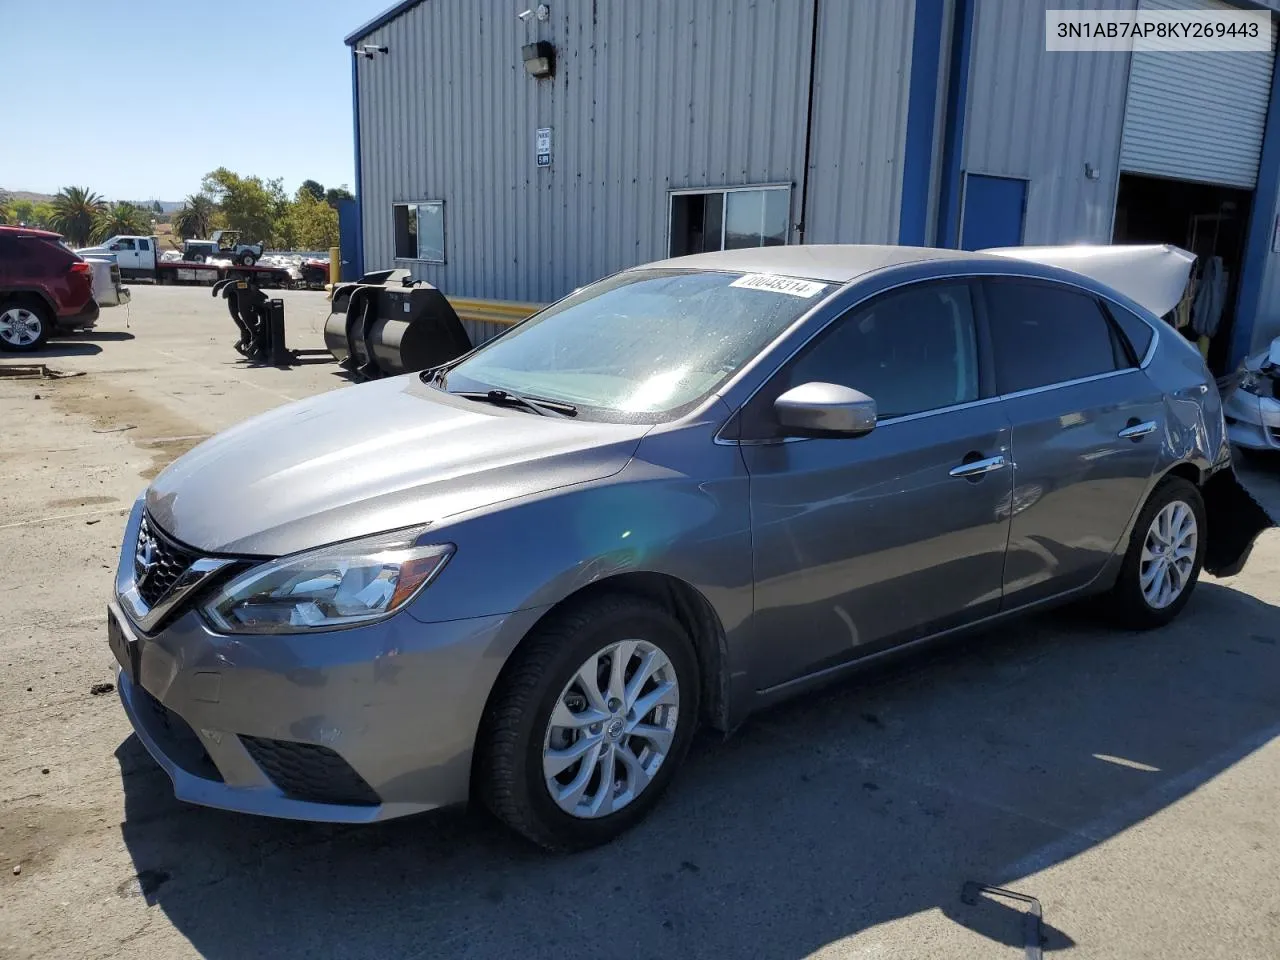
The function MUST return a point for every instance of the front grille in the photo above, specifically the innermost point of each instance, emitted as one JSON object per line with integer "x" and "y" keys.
{"x": 307, "y": 771}
{"x": 168, "y": 561}
{"x": 175, "y": 737}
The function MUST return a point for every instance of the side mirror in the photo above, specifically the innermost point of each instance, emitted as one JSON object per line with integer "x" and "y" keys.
{"x": 114, "y": 246}
{"x": 1273, "y": 355}
{"x": 825, "y": 410}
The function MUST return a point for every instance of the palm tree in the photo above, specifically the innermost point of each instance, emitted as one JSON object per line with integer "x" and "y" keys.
{"x": 195, "y": 219}
{"x": 74, "y": 209}
{"x": 120, "y": 218}
{"x": 6, "y": 212}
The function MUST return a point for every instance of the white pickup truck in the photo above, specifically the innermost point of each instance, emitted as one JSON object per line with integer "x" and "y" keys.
{"x": 139, "y": 259}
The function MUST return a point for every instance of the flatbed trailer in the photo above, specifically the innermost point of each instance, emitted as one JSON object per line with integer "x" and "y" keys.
{"x": 207, "y": 274}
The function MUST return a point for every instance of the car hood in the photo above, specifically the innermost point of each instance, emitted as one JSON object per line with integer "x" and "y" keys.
{"x": 95, "y": 252}
{"x": 371, "y": 458}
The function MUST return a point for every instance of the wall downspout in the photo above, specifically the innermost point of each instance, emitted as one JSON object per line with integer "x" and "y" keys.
{"x": 358, "y": 265}
{"x": 948, "y": 234}
{"x": 803, "y": 226}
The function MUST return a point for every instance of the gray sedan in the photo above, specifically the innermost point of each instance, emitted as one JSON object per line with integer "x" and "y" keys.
{"x": 672, "y": 498}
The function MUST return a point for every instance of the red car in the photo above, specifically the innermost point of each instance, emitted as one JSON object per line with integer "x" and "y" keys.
{"x": 45, "y": 288}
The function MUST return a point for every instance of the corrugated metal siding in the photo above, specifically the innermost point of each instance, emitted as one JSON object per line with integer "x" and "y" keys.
{"x": 1196, "y": 116}
{"x": 647, "y": 97}
{"x": 859, "y": 121}
{"x": 1042, "y": 116}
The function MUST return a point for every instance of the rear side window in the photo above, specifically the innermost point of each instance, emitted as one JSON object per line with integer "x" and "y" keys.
{"x": 1136, "y": 330}
{"x": 11, "y": 248}
{"x": 1043, "y": 334}
{"x": 144, "y": 244}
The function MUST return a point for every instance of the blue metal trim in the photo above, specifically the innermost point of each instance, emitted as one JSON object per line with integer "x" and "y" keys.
{"x": 957, "y": 100}
{"x": 922, "y": 110}
{"x": 1257, "y": 248}
{"x": 380, "y": 20}
{"x": 358, "y": 265}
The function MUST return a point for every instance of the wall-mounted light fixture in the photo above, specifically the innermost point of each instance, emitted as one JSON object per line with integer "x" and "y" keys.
{"x": 367, "y": 50}
{"x": 539, "y": 59}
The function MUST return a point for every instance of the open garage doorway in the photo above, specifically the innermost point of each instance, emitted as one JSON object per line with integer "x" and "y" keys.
{"x": 1204, "y": 218}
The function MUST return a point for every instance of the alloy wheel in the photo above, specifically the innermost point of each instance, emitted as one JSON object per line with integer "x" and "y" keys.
{"x": 19, "y": 327}
{"x": 1168, "y": 554}
{"x": 611, "y": 728}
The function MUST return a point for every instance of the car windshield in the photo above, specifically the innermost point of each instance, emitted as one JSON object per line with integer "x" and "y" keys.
{"x": 642, "y": 346}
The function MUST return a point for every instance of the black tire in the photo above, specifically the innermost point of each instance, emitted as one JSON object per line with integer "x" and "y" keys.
{"x": 1129, "y": 607}
{"x": 508, "y": 769}
{"x": 248, "y": 260}
{"x": 31, "y": 311}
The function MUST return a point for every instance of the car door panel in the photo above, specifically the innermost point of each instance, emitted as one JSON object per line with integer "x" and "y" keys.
{"x": 1087, "y": 427}
{"x": 860, "y": 544}
{"x": 1078, "y": 481}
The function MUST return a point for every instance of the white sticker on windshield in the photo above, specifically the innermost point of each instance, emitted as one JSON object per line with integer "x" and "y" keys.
{"x": 788, "y": 285}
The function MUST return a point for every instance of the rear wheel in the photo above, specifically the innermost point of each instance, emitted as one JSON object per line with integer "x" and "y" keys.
{"x": 589, "y": 723}
{"x": 248, "y": 260}
{"x": 1166, "y": 550}
{"x": 24, "y": 325}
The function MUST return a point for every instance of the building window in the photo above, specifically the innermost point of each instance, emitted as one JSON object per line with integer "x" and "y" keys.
{"x": 731, "y": 219}
{"x": 420, "y": 231}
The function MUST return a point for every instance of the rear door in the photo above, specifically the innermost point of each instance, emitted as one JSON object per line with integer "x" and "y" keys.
{"x": 862, "y": 543}
{"x": 145, "y": 257}
{"x": 1087, "y": 425}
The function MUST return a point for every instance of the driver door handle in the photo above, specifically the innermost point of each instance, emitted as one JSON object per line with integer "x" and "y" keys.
{"x": 1136, "y": 431}
{"x": 977, "y": 468}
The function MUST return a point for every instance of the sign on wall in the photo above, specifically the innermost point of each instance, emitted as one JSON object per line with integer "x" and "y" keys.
{"x": 542, "y": 146}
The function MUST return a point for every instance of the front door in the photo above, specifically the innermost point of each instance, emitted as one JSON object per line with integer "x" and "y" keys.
{"x": 862, "y": 543}
{"x": 1086, "y": 433}
{"x": 126, "y": 254}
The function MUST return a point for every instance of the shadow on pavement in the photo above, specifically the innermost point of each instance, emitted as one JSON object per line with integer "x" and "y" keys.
{"x": 985, "y": 760}
{"x": 62, "y": 348}
{"x": 103, "y": 335}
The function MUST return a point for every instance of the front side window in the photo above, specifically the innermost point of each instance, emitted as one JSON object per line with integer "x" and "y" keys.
{"x": 1043, "y": 334}
{"x": 123, "y": 245}
{"x": 703, "y": 222}
{"x": 419, "y": 231}
{"x": 911, "y": 350}
{"x": 642, "y": 346}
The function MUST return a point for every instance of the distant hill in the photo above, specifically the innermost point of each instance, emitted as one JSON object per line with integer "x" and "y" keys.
{"x": 168, "y": 206}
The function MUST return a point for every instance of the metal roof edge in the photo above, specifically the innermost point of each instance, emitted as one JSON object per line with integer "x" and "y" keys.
{"x": 381, "y": 19}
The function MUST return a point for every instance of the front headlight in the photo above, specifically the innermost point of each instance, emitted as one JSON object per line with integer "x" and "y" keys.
{"x": 337, "y": 586}
{"x": 1250, "y": 382}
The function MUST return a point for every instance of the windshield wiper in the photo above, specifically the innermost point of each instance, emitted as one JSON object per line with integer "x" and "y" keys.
{"x": 505, "y": 398}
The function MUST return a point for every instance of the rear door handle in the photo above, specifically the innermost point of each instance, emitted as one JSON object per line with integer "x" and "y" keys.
{"x": 977, "y": 468}
{"x": 1136, "y": 431}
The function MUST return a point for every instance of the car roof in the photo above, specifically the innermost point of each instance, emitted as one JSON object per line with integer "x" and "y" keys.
{"x": 833, "y": 262}
{"x": 29, "y": 232}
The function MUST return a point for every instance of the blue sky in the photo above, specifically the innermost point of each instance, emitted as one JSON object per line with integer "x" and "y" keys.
{"x": 139, "y": 99}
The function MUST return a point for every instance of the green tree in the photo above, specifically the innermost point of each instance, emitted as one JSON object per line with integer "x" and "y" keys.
{"x": 313, "y": 187}
{"x": 334, "y": 194}
{"x": 22, "y": 211}
{"x": 311, "y": 224}
{"x": 74, "y": 210}
{"x": 196, "y": 217}
{"x": 6, "y": 208}
{"x": 247, "y": 203}
{"x": 156, "y": 207}
{"x": 42, "y": 215}
{"x": 121, "y": 218}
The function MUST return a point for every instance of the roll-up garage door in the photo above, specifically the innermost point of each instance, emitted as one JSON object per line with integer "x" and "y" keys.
{"x": 1196, "y": 116}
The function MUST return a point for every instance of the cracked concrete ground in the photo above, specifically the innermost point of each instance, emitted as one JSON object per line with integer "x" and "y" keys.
{"x": 1127, "y": 781}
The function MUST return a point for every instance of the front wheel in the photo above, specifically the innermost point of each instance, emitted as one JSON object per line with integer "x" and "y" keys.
{"x": 248, "y": 260}
{"x": 589, "y": 723}
{"x": 1166, "y": 550}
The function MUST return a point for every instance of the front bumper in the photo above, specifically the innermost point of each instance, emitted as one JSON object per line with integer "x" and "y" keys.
{"x": 1253, "y": 422}
{"x": 348, "y": 726}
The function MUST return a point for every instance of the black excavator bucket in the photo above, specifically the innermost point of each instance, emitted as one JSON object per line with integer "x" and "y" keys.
{"x": 1235, "y": 519}
{"x": 392, "y": 327}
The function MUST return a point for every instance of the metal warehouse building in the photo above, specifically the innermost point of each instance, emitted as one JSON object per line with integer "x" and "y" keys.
{"x": 515, "y": 154}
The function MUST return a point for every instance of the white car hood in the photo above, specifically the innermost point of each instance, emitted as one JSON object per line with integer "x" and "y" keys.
{"x": 1154, "y": 276}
